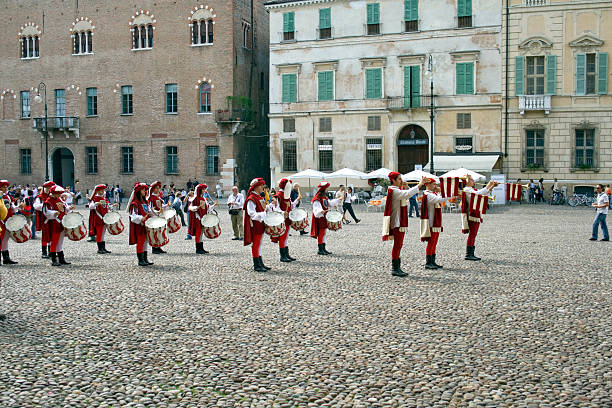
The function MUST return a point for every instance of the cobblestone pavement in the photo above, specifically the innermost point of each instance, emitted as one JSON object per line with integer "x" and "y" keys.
{"x": 530, "y": 325}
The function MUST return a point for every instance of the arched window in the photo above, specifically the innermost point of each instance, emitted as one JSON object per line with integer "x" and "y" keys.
{"x": 205, "y": 98}
{"x": 82, "y": 36}
{"x": 143, "y": 29}
{"x": 202, "y": 25}
{"x": 29, "y": 38}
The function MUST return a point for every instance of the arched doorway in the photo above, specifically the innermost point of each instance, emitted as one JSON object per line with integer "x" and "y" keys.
{"x": 62, "y": 167}
{"x": 412, "y": 148}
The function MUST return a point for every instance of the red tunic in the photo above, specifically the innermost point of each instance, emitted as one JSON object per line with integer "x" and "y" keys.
{"x": 155, "y": 202}
{"x": 9, "y": 214}
{"x": 319, "y": 224}
{"x": 137, "y": 229}
{"x": 285, "y": 206}
{"x": 55, "y": 224}
{"x": 195, "y": 224}
{"x": 99, "y": 212}
{"x": 258, "y": 227}
{"x": 40, "y": 218}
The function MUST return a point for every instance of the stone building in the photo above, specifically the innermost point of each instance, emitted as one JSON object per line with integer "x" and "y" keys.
{"x": 350, "y": 84}
{"x": 559, "y": 108}
{"x": 134, "y": 91}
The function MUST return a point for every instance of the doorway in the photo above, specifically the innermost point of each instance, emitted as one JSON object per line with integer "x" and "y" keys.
{"x": 412, "y": 148}
{"x": 62, "y": 167}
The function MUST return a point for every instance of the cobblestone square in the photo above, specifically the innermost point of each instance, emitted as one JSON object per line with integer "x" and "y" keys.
{"x": 528, "y": 326}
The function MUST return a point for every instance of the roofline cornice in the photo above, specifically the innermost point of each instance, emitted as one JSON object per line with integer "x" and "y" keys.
{"x": 273, "y": 5}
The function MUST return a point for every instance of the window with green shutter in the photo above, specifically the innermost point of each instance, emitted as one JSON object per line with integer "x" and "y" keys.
{"x": 289, "y": 88}
{"x": 412, "y": 86}
{"x": 374, "y": 83}
{"x": 580, "y": 74}
{"x": 324, "y": 23}
{"x": 464, "y": 13}
{"x": 519, "y": 76}
{"x": 326, "y": 85}
{"x": 289, "y": 26}
{"x": 411, "y": 15}
{"x": 602, "y": 73}
{"x": 551, "y": 74}
{"x": 465, "y": 78}
{"x": 373, "y": 18}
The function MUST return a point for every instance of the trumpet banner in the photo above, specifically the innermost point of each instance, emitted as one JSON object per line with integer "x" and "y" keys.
{"x": 449, "y": 186}
{"x": 514, "y": 192}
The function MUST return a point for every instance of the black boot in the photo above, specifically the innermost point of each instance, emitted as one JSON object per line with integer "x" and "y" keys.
{"x": 325, "y": 250}
{"x": 92, "y": 238}
{"x": 283, "y": 255}
{"x": 101, "y": 248}
{"x": 106, "y": 251}
{"x": 145, "y": 256}
{"x": 6, "y": 258}
{"x": 429, "y": 264}
{"x": 157, "y": 250}
{"x": 45, "y": 255}
{"x": 262, "y": 264}
{"x": 433, "y": 261}
{"x": 54, "y": 259}
{"x": 141, "y": 260}
{"x": 200, "y": 248}
{"x": 257, "y": 265}
{"x": 395, "y": 268}
{"x": 62, "y": 260}
{"x": 289, "y": 257}
{"x": 469, "y": 254}
{"x": 321, "y": 250}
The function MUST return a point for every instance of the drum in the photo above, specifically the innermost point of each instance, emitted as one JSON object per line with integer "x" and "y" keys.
{"x": 18, "y": 229}
{"x": 157, "y": 231}
{"x": 275, "y": 224}
{"x": 173, "y": 220}
{"x": 334, "y": 220}
{"x": 299, "y": 219}
{"x": 210, "y": 226}
{"x": 74, "y": 226}
{"x": 113, "y": 223}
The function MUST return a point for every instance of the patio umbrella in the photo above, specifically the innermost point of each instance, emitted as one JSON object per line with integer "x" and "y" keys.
{"x": 309, "y": 174}
{"x": 346, "y": 174}
{"x": 378, "y": 174}
{"x": 460, "y": 172}
{"x": 417, "y": 175}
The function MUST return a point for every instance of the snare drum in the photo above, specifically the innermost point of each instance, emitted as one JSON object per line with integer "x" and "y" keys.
{"x": 210, "y": 226}
{"x": 157, "y": 231}
{"x": 113, "y": 223}
{"x": 74, "y": 226}
{"x": 334, "y": 220}
{"x": 299, "y": 219}
{"x": 173, "y": 220}
{"x": 275, "y": 224}
{"x": 18, "y": 229}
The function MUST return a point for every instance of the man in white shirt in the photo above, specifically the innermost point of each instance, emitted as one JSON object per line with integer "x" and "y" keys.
{"x": 471, "y": 218}
{"x": 602, "y": 205}
{"x": 235, "y": 202}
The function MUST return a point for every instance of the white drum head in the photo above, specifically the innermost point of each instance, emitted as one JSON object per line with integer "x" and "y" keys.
{"x": 210, "y": 220}
{"x": 274, "y": 218}
{"x": 287, "y": 190}
{"x": 298, "y": 214}
{"x": 111, "y": 218}
{"x": 15, "y": 223}
{"x": 72, "y": 220}
{"x": 155, "y": 222}
{"x": 169, "y": 213}
{"x": 333, "y": 216}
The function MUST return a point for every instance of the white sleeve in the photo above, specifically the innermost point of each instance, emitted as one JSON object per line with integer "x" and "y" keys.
{"x": 252, "y": 211}
{"x": 335, "y": 202}
{"x": 136, "y": 218}
{"x": 240, "y": 200}
{"x": 50, "y": 214}
{"x": 404, "y": 194}
{"x": 38, "y": 205}
{"x": 92, "y": 205}
{"x": 317, "y": 209}
{"x": 437, "y": 199}
{"x": 483, "y": 191}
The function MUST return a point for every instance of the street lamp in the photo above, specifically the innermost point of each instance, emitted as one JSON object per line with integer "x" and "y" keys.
{"x": 38, "y": 99}
{"x": 429, "y": 74}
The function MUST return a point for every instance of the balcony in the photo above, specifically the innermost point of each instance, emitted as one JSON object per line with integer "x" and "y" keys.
{"x": 534, "y": 103}
{"x": 533, "y": 3}
{"x": 400, "y": 103}
{"x": 64, "y": 124}
{"x": 234, "y": 115}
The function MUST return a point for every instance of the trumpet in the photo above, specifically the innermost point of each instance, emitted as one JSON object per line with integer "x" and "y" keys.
{"x": 491, "y": 197}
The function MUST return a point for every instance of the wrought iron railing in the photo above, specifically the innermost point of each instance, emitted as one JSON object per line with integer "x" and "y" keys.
{"x": 56, "y": 123}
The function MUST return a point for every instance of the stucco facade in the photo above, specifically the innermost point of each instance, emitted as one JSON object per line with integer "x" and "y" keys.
{"x": 572, "y": 113}
{"x": 401, "y": 52}
{"x": 194, "y": 46}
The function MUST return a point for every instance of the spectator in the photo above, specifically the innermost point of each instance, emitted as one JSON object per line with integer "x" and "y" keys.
{"x": 69, "y": 196}
{"x": 177, "y": 204}
{"x": 540, "y": 189}
{"x": 347, "y": 205}
{"x": 218, "y": 188}
{"x": 189, "y": 185}
{"x": 266, "y": 194}
{"x": 28, "y": 211}
{"x": 602, "y": 204}
{"x": 235, "y": 202}
{"x": 188, "y": 197}
{"x": 532, "y": 192}
{"x": 413, "y": 204}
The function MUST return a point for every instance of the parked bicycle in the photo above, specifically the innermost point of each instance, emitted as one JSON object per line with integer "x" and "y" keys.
{"x": 557, "y": 198}
{"x": 580, "y": 199}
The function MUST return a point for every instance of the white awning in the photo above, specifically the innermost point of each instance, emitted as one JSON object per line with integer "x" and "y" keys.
{"x": 478, "y": 163}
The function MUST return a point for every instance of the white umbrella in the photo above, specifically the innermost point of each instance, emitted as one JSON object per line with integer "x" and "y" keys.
{"x": 417, "y": 175}
{"x": 460, "y": 172}
{"x": 346, "y": 174}
{"x": 378, "y": 174}
{"x": 309, "y": 174}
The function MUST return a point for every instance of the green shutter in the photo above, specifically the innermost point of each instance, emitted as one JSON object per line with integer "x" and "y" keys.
{"x": 373, "y": 83}
{"x": 551, "y": 74}
{"x": 326, "y": 86}
{"x": 411, "y": 10}
{"x": 373, "y": 10}
{"x": 580, "y": 74}
{"x": 519, "y": 76}
{"x": 325, "y": 18}
{"x": 460, "y": 79}
{"x": 415, "y": 86}
{"x": 602, "y": 73}
{"x": 464, "y": 8}
{"x": 289, "y": 22}
{"x": 469, "y": 78}
{"x": 289, "y": 86}
{"x": 407, "y": 93}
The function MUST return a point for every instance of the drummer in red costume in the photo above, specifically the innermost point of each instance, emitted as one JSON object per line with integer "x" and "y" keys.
{"x": 285, "y": 205}
{"x": 320, "y": 207}
{"x": 254, "y": 228}
{"x": 198, "y": 208}
{"x": 156, "y": 207}
{"x": 395, "y": 221}
{"x": 431, "y": 222}
{"x": 100, "y": 205}
{"x": 92, "y": 218}
{"x": 12, "y": 210}
{"x": 471, "y": 218}
{"x": 138, "y": 209}
{"x": 41, "y": 225}
{"x": 54, "y": 211}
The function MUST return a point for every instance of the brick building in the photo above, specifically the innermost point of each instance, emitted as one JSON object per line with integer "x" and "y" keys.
{"x": 135, "y": 91}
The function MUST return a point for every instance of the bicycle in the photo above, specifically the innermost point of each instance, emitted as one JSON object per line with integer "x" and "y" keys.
{"x": 557, "y": 198}
{"x": 580, "y": 199}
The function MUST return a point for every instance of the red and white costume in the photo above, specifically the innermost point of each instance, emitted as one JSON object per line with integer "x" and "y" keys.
{"x": 255, "y": 213}
{"x": 431, "y": 219}
{"x": 320, "y": 204}
{"x": 138, "y": 209}
{"x": 54, "y": 211}
{"x": 395, "y": 221}
{"x": 156, "y": 203}
{"x": 11, "y": 210}
{"x": 99, "y": 206}
{"x": 41, "y": 225}
{"x": 284, "y": 205}
{"x": 197, "y": 211}
{"x": 470, "y": 213}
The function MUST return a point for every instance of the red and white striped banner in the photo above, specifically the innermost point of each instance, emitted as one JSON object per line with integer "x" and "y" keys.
{"x": 479, "y": 203}
{"x": 449, "y": 186}
{"x": 514, "y": 192}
